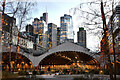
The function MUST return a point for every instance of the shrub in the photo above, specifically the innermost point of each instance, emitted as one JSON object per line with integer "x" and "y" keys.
{"x": 94, "y": 71}
{"x": 96, "y": 79}
{"x": 65, "y": 71}
{"x": 41, "y": 72}
{"x": 82, "y": 72}
{"x": 23, "y": 73}
{"x": 6, "y": 74}
{"x": 34, "y": 72}
{"x": 56, "y": 71}
{"x": 106, "y": 72}
{"x": 118, "y": 71}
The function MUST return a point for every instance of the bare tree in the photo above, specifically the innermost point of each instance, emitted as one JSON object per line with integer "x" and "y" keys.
{"x": 1, "y": 36}
{"x": 21, "y": 11}
{"x": 23, "y": 17}
{"x": 91, "y": 13}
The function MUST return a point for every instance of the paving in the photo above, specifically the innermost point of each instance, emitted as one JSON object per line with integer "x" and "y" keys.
{"x": 52, "y": 77}
{"x": 71, "y": 77}
{"x": 58, "y": 78}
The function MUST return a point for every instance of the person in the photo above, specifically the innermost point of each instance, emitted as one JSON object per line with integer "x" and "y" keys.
{"x": 49, "y": 69}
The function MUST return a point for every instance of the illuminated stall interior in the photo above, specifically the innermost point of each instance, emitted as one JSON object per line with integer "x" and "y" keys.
{"x": 23, "y": 63}
{"x": 68, "y": 59}
{"x": 56, "y": 61}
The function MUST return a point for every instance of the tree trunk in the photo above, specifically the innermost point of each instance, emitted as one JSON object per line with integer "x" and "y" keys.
{"x": 105, "y": 29}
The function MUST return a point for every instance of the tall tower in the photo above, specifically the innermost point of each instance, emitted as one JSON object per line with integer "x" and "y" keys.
{"x": 29, "y": 28}
{"x": 40, "y": 28}
{"x": 45, "y": 17}
{"x": 52, "y": 30}
{"x": 66, "y": 28}
{"x": 81, "y": 37}
{"x": 35, "y": 24}
{"x": 58, "y": 35}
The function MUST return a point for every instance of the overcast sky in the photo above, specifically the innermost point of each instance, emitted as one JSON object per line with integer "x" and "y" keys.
{"x": 56, "y": 9}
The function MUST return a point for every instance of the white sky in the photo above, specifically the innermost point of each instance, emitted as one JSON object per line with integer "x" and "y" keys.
{"x": 56, "y": 9}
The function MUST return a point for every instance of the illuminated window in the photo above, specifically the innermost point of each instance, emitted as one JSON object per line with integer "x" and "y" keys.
{"x": 117, "y": 21}
{"x": 41, "y": 26}
{"x": 6, "y": 23}
{"x": 63, "y": 35}
{"x": 40, "y": 21}
{"x": 62, "y": 21}
{"x": 55, "y": 28}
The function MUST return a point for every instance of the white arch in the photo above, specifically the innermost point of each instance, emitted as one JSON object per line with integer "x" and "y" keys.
{"x": 67, "y": 46}
{"x": 13, "y": 49}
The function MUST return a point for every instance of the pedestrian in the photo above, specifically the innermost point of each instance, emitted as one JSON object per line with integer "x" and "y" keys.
{"x": 49, "y": 70}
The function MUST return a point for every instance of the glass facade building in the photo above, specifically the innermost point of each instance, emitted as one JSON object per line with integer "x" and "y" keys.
{"x": 58, "y": 35}
{"x": 29, "y": 28}
{"x": 116, "y": 28}
{"x": 66, "y": 29}
{"x": 115, "y": 18}
{"x": 52, "y": 36}
{"x": 40, "y": 28}
{"x": 81, "y": 37}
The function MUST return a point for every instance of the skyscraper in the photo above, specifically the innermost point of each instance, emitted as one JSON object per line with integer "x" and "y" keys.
{"x": 45, "y": 17}
{"x": 81, "y": 37}
{"x": 40, "y": 28}
{"x": 29, "y": 28}
{"x": 52, "y": 30}
{"x": 66, "y": 29}
{"x": 35, "y": 24}
{"x": 58, "y": 35}
{"x": 115, "y": 18}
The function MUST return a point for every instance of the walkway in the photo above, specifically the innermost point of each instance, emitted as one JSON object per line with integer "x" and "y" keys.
{"x": 71, "y": 77}
{"x": 52, "y": 77}
{"x": 58, "y": 78}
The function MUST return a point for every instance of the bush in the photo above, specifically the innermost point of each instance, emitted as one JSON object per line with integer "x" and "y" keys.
{"x": 73, "y": 71}
{"x": 34, "y": 72}
{"x": 118, "y": 71}
{"x": 82, "y": 72}
{"x": 6, "y": 74}
{"x": 41, "y": 72}
{"x": 23, "y": 73}
{"x": 94, "y": 71}
{"x": 106, "y": 72}
{"x": 96, "y": 79}
{"x": 56, "y": 71}
{"x": 65, "y": 71}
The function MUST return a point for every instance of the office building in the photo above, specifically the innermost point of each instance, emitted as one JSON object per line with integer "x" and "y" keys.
{"x": 45, "y": 17}
{"x": 58, "y": 36}
{"x": 116, "y": 30}
{"x": 52, "y": 30}
{"x": 29, "y": 28}
{"x": 9, "y": 29}
{"x": 8, "y": 22}
{"x": 35, "y": 25}
{"x": 40, "y": 28}
{"x": 81, "y": 37}
{"x": 66, "y": 29}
